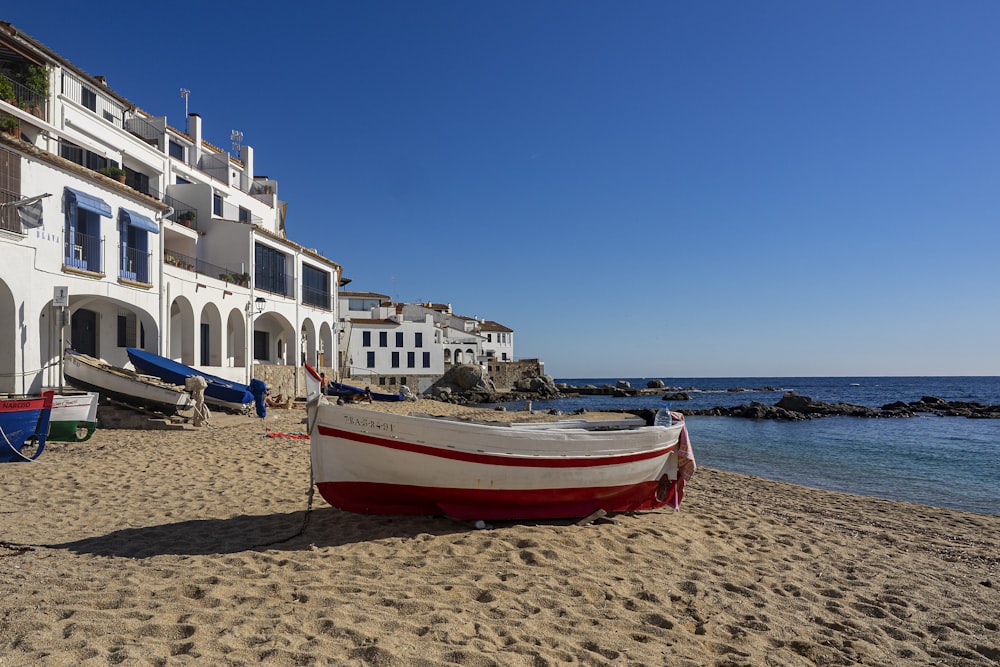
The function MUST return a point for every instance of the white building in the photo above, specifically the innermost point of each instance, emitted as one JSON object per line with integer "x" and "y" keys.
{"x": 184, "y": 254}
{"x": 386, "y": 344}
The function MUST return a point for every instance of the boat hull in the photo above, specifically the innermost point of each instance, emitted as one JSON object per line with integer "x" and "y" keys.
{"x": 347, "y": 391}
{"x": 376, "y": 463}
{"x": 24, "y": 420}
{"x": 90, "y": 374}
{"x": 219, "y": 391}
{"x": 74, "y": 417}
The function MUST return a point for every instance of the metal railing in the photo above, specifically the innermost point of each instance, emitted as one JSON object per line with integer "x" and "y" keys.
{"x": 89, "y": 96}
{"x": 135, "y": 266}
{"x": 234, "y": 212}
{"x": 27, "y": 99}
{"x": 279, "y": 286}
{"x": 230, "y": 275}
{"x": 82, "y": 251}
{"x": 142, "y": 128}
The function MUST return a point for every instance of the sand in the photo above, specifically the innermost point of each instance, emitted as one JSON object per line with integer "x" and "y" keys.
{"x": 194, "y": 547}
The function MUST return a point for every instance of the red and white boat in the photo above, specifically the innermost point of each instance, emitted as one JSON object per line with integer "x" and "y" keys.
{"x": 374, "y": 462}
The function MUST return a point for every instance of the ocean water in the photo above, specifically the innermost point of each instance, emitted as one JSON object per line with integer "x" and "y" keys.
{"x": 949, "y": 462}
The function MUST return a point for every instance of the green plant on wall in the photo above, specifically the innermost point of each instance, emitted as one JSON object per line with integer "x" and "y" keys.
{"x": 6, "y": 89}
{"x": 8, "y": 124}
{"x": 36, "y": 79}
{"x": 113, "y": 172}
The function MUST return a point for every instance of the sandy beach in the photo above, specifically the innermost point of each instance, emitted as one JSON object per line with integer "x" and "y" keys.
{"x": 195, "y": 547}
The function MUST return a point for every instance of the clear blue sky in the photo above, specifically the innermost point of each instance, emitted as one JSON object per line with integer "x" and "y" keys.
{"x": 642, "y": 188}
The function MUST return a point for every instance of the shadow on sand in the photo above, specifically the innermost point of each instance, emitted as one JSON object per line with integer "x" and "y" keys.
{"x": 325, "y": 527}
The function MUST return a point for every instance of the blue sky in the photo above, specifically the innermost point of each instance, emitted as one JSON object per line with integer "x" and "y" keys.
{"x": 651, "y": 189}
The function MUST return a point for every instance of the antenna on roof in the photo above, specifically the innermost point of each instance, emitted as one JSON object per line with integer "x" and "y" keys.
{"x": 237, "y": 138}
{"x": 184, "y": 93}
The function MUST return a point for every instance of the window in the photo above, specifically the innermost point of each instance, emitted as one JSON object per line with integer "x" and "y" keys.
{"x": 366, "y": 339}
{"x": 10, "y": 190}
{"x": 83, "y": 157}
{"x": 126, "y": 329}
{"x": 411, "y": 361}
{"x": 217, "y": 204}
{"x": 133, "y": 243}
{"x": 88, "y": 98}
{"x": 371, "y": 360}
{"x": 427, "y": 359}
{"x": 489, "y": 338}
{"x": 269, "y": 266}
{"x": 244, "y": 214}
{"x": 383, "y": 339}
{"x": 137, "y": 181}
{"x": 315, "y": 287}
{"x": 176, "y": 150}
{"x": 206, "y": 349}
{"x": 418, "y": 339}
{"x": 399, "y": 339}
{"x": 82, "y": 231}
{"x": 362, "y": 305}
{"x": 261, "y": 343}
{"x": 395, "y": 359}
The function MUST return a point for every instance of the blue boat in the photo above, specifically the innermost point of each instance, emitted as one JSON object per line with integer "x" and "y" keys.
{"x": 219, "y": 392}
{"x": 24, "y": 420}
{"x": 357, "y": 393}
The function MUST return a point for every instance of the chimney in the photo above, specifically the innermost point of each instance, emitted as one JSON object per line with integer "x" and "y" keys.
{"x": 194, "y": 120}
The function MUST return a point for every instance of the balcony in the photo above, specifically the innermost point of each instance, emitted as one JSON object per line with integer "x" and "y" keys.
{"x": 229, "y": 275}
{"x": 135, "y": 266}
{"x": 23, "y": 97}
{"x": 82, "y": 251}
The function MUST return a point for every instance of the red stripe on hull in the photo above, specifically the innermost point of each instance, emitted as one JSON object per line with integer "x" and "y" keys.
{"x": 496, "y": 505}
{"x": 493, "y": 459}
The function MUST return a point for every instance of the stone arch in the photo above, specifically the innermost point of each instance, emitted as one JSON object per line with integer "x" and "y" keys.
{"x": 180, "y": 329}
{"x": 210, "y": 336}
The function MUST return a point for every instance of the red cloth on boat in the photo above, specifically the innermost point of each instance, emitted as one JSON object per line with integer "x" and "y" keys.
{"x": 685, "y": 461}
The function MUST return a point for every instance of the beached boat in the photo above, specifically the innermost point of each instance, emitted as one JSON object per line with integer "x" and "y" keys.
{"x": 219, "y": 392}
{"x": 373, "y": 462}
{"x": 90, "y": 374}
{"x": 347, "y": 391}
{"x": 342, "y": 390}
{"x": 74, "y": 416}
{"x": 24, "y": 421}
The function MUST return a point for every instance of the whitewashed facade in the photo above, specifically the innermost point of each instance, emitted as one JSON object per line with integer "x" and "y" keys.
{"x": 188, "y": 257}
{"x": 384, "y": 343}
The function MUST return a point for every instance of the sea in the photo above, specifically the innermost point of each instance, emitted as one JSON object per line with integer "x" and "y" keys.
{"x": 951, "y": 462}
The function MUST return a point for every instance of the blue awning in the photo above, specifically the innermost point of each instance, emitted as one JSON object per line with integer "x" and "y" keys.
{"x": 90, "y": 202}
{"x": 138, "y": 220}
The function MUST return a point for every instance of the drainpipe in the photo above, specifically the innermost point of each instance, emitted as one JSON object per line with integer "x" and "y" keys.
{"x": 162, "y": 317}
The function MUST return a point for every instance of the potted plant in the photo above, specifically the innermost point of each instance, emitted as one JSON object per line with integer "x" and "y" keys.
{"x": 116, "y": 173}
{"x": 187, "y": 218}
{"x": 36, "y": 79}
{"x": 9, "y": 124}
{"x": 6, "y": 90}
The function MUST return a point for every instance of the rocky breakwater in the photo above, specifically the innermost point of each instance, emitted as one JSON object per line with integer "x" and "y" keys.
{"x": 621, "y": 389}
{"x": 794, "y": 407}
{"x": 470, "y": 383}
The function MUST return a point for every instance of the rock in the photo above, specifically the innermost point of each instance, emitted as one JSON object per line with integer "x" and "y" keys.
{"x": 655, "y": 384}
{"x": 623, "y": 384}
{"x": 676, "y": 396}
